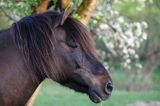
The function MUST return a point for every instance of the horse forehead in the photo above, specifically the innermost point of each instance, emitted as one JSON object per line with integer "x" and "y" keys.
{"x": 60, "y": 34}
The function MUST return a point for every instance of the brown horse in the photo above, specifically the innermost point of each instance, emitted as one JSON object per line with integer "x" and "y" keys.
{"x": 41, "y": 46}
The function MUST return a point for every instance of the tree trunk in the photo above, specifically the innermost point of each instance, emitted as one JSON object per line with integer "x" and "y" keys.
{"x": 85, "y": 10}
{"x": 33, "y": 98}
{"x": 151, "y": 61}
{"x": 42, "y": 7}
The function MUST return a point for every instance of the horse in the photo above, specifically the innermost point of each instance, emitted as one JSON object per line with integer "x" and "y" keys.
{"x": 47, "y": 45}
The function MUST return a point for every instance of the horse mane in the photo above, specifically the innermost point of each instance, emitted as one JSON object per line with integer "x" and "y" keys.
{"x": 35, "y": 38}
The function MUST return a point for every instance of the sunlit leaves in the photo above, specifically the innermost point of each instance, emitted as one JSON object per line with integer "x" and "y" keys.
{"x": 19, "y": 8}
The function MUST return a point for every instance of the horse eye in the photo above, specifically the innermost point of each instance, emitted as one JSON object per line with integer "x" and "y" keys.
{"x": 72, "y": 44}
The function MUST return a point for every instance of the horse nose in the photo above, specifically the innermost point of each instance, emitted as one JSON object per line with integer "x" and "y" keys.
{"x": 108, "y": 87}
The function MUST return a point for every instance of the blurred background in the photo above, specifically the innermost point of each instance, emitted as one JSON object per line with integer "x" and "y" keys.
{"x": 127, "y": 34}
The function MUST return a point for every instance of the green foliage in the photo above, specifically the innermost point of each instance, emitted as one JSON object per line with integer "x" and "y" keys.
{"x": 156, "y": 78}
{"x": 19, "y": 8}
{"x": 4, "y": 22}
{"x": 55, "y": 1}
{"x": 77, "y": 16}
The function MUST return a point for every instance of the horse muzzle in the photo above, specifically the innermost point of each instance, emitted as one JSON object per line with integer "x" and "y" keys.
{"x": 98, "y": 93}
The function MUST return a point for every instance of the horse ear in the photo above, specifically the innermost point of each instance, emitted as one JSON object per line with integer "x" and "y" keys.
{"x": 65, "y": 14}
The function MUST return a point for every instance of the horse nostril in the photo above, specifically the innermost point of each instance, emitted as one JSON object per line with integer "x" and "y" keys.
{"x": 108, "y": 88}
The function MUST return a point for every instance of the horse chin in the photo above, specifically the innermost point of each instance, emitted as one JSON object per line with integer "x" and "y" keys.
{"x": 95, "y": 96}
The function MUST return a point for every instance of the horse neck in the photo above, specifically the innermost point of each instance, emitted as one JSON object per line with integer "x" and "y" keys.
{"x": 16, "y": 84}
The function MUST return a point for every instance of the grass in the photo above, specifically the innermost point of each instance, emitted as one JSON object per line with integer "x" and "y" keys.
{"x": 52, "y": 94}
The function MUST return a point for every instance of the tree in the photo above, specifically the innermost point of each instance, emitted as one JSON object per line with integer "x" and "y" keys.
{"x": 148, "y": 11}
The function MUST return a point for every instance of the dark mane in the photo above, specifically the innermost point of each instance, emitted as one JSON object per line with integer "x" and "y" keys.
{"x": 35, "y": 38}
{"x": 81, "y": 34}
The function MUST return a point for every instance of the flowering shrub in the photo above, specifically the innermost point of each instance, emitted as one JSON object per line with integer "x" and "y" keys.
{"x": 119, "y": 39}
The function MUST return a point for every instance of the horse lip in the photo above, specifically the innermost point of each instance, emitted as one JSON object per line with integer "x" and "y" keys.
{"x": 97, "y": 98}
{"x": 94, "y": 97}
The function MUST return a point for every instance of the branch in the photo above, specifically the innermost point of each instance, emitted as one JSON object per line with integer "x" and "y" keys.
{"x": 10, "y": 17}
